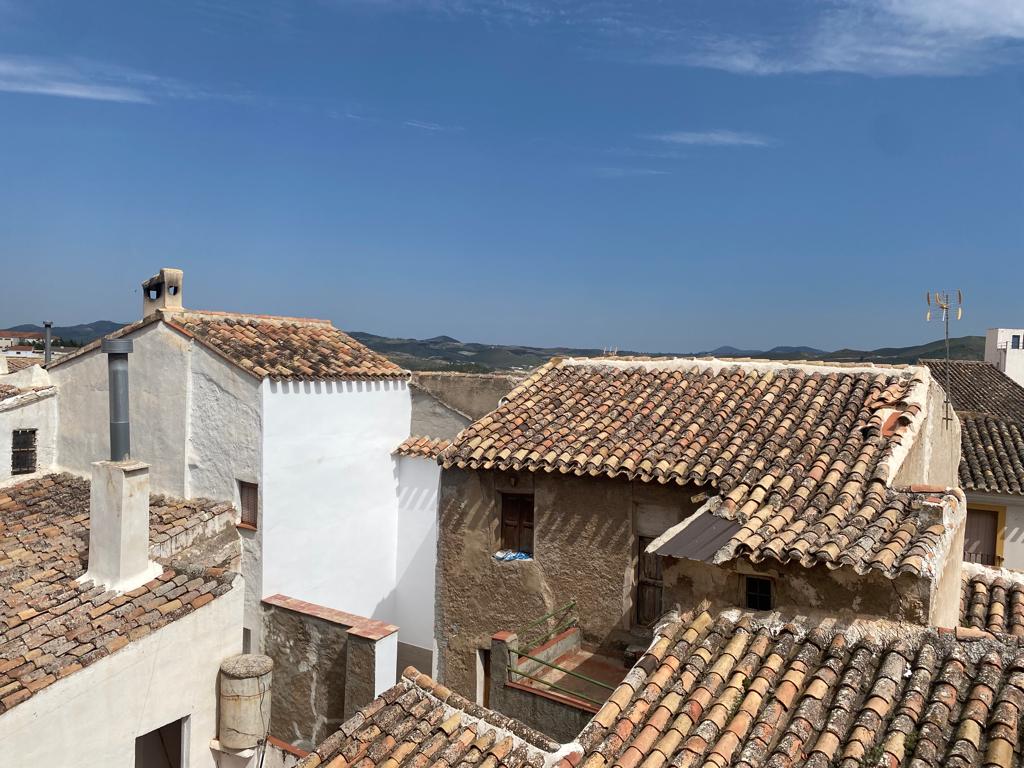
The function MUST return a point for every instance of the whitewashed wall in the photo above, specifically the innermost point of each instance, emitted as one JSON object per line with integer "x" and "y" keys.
{"x": 29, "y": 411}
{"x": 418, "y": 480}
{"x": 93, "y": 716}
{"x": 158, "y": 394}
{"x": 330, "y": 492}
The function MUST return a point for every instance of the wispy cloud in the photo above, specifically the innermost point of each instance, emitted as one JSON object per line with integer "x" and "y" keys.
{"x": 95, "y": 81}
{"x": 718, "y": 137}
{"x": 425, "y": 125}
{"x": 873, "y": 37}
{"x": 625, "y": 173}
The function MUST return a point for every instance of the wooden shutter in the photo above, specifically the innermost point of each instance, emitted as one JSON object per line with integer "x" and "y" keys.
{"x": 517, "y": 522}
{"x": 649, "y": 584}
{"x": 980, "y": 536}
{"x": 249, "y": 496}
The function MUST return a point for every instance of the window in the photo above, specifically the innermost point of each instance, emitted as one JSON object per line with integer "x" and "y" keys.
{"x": 249, "y": 497}
{"x": 759, "y": 593}
{"x": 981, "y": 536}
{"x": 1015, "y": 341}
{"x": 649, "y": 584}
{"x": 166, "y": 747}
{"x": 246, "y": 640}
{"x": 23, "y": 451}
{"x": 517, "y": 522}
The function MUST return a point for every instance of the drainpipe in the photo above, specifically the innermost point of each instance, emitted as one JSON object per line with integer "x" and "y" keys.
{"x": 117, "y": 351}
{"x": 48, "y": 325}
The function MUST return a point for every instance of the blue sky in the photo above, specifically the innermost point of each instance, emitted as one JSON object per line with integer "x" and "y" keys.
{"x": 652, "y": 176}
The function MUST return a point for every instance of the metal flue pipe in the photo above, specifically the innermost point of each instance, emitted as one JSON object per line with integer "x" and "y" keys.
{"x": 48, "y": 325}
{"x": 117, "y": 351}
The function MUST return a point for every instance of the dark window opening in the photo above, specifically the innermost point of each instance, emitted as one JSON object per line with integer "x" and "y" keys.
{"x": 1015, "y": 341}
{"x": 759, "y": 593}
{"x": 249, "y": 497}
{"x": 23, "y": 451}
{"x": 517, "y": 522}
{"x": 981, "y": 536}
{"x": 246, "y": 640}
{"x": 162, "y": 748}
{"x": 649, "y": 585}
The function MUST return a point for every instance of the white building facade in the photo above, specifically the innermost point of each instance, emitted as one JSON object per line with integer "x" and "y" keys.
{"x": 1004, "y": 348}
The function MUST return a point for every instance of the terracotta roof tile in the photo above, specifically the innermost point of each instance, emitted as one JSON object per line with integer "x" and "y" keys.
{"x": 427, "y": 447}
{"x": 50, "y": 624}
{"x": 801, "y": 456}
{"x": 278, "y": 348}
{"x": 20, "y": 363}
{"x": 990, "y": 406}
{"x": 421, "y": 723}
{"x": 992, "y": 599}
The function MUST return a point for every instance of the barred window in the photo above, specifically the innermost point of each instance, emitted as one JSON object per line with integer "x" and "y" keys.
{"x": 249, "y": 495}
{"x": 23, "y": 451}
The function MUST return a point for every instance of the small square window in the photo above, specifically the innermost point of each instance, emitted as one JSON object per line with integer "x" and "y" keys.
{"x": 517, "y": 522}
{"x": 759, "y": 593}
{"x": 23, "y": 451}
{"x": 249, "y": 500}
{"x": 1015, "y": 341}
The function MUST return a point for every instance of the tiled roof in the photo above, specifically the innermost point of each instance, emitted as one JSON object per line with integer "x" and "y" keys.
{"x": 278, "y": 348}
{"x": 992, "y": 454}
{"x": 977, "y": 387}
{"x": 15, "y": 397}
{"x": 7, "y": 391}
{"x": 419, "y": 723}
{"x": 740, "y": 690}
{"x": 802, "y": 456}
{"x": 990, "y": 406}
{"x": 428, "y": 447}
{"x": 992, "y": 599}
{"x": 51, "y": 625}
{"x": 19, "y": 363}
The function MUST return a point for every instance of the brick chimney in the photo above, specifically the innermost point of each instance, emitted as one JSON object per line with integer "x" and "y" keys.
{"x": 162, "y": 291}
{"x": 119, "y": 495}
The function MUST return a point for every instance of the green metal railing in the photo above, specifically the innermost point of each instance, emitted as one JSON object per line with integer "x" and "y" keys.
{"x": 563, "y": 620}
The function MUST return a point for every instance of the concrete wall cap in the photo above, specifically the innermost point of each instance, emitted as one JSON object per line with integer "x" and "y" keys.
{"x": 246, "y": 665}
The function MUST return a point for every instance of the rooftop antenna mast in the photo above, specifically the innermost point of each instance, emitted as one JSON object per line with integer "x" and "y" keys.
{"x": 943, "y": 300}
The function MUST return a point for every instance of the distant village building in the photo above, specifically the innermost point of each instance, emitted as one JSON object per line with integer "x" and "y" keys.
{"x": 990, "y": 408}
{"x": 623, "y": 487}
{"x": 1004, "y": 348}
{"x": 9, "y": 339}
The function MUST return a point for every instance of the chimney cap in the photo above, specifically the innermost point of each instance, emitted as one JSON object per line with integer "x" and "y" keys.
{"x": 116, "y": 346}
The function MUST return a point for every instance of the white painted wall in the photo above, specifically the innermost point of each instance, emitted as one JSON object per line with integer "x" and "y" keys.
{"x": 1013, "y": 533}
{"x": 330, "y": 492}
{"x": 93, "y": 716}
{"x": 999, "y": 352}
{"x": 29, "y": 411}
{"x": 158, "y": 391}
{"x": 416, "y": 558}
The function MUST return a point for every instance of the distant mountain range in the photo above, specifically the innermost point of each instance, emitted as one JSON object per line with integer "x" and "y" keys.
{"x": 444, "y": 353}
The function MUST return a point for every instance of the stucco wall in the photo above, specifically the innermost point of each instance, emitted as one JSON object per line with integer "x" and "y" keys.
{"x": 1013, "y": 533}
{"x": 584, "y": 549}
{"x": 934, "y": 455}
{"x": 418, "y": 480}
{"x": 330, "y": 492}
{"x": 158, "y": 395}
{"x": 817, "y": 592}
{"x": 433, "y": 418}
{"x": 93, "y": 716}
{"x": 472, "y": 394}
{"x": 29, "y": 411}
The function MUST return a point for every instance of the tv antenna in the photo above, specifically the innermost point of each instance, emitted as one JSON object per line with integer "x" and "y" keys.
{"x": 943, "y": 301}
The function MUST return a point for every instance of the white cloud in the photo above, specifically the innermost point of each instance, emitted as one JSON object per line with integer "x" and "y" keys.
{"x": 426, "y": 125}
{"x": 626, "y": 173}
{"x": 718, "y": 137}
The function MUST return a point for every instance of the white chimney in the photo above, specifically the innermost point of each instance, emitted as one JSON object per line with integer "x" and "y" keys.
{"x": 119, "y": 497}
{"x": 119, "y": 526}
{"x": 162, "y": 291}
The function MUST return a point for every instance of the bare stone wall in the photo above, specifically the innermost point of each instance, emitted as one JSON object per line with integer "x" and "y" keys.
{"x": 432, "y": 418}
{"x": 585, "y": 547}
{"x": 809, "y": 591}
{"x": 472, "y": 394}
{"x": 309, "y": 656}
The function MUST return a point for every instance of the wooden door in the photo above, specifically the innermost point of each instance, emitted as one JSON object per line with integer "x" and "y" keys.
{"x": 980, "y": 536}
{"x": 649, "y": 585}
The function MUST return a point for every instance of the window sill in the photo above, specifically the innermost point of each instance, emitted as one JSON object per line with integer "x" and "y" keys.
{"x": 246, "y": 526}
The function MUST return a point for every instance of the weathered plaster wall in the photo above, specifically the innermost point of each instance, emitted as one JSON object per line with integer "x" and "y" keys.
{"x": 93, "y": 716}
{"x": 934, "y": 456}
{"x": 945, "y": 611}
{"x": 309, "y": 675}
{"x": 433, "y": 418}
{"x": 330, "y": 492}
{"x": 472, "y": 394}
{"x": 585, "y": 547}
{"x": 31, "y": 410}
{"x": 224, "y": 446}
{"x": 810, "y": 591}
{"x": 158, "y": 400}
{"x": 418, "y": 480}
